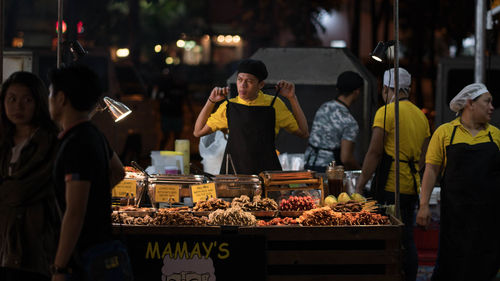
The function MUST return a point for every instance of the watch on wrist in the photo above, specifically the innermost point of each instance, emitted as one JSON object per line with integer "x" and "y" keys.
{"x": 55, "y": 269}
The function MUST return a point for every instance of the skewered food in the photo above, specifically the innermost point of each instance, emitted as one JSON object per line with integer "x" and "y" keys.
{"x": 211, "y": 204}
{"x": 326, "y": 216}
{"x": 166, "y": 217}
{"x": 257, "y": 204}
{"x": 278, "y": 221}
{"x": 124, "y": 218}
{"x": 231, "y": 216}
{"x": 297, "y": 203}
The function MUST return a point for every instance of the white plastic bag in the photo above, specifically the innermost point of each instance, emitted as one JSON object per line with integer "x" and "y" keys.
{"x": 212, "y": 151}
{"x": 291, "y": 162}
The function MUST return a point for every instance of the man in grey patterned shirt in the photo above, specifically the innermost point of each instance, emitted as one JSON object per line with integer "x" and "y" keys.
{"x": 334, "y": 129}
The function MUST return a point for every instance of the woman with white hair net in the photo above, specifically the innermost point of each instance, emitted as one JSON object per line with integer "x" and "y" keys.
{"x": 465, "y": 152}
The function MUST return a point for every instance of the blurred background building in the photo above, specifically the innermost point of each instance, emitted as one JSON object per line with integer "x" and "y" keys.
{"x": 154, "y": 54}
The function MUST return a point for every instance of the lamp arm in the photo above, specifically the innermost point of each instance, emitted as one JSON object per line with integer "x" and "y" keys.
{"x": 98, "y": 108}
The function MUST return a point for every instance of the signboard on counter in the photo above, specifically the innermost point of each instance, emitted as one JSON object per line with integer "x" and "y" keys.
{"x": 225, "y": 257}
{"x": 167, "y": 193}
{"x": 125, "y": 188}
{"x": 203, "y": 192}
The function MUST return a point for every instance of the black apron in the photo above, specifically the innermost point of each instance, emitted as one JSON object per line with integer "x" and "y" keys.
{"x": 251, "y": 139}
{"x": 469, "y": 238}
{"x": 335, "y": 151}
{"x": 382, "y": 174}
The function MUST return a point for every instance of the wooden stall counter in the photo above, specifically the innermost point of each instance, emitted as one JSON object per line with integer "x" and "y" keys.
{"x": 296, "y": 253}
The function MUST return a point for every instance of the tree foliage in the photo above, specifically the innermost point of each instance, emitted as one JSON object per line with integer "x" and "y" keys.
{"x": 264, "y": 21}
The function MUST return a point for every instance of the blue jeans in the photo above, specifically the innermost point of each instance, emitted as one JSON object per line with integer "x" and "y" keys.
{"x": 408, "y": 205}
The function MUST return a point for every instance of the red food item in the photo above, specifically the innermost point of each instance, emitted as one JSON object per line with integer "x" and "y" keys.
{"x": 297, "y": 203}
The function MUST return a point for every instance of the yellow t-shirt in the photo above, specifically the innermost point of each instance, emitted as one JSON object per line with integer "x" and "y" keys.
{"x": 284, "y": 118}
{"x": 413, "y": 129}
{"x": 436, "y": 152}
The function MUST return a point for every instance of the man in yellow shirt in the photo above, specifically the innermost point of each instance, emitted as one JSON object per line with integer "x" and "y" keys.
{"x": 466, "y": 151}
{"x": 253, "y": 119}
{"x": 413, "y": 139}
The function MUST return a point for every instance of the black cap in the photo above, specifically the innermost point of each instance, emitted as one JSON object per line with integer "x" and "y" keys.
{"x": 349, "y": 81}
{"x": 254, "y": 67}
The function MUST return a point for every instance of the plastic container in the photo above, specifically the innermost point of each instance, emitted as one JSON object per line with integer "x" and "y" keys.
{"x": 171, "y": 170}
{"x": 162, "y": 159}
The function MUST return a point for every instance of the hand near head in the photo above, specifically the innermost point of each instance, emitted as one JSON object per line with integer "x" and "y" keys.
{"x": 287, "y": 89}
{"x": 219, "y": 93}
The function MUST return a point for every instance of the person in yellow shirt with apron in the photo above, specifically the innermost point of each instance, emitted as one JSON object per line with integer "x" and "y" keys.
{"x": 253, "y": 119}
{"x": 414, "y": 136}
{"x": 466, "y": 153}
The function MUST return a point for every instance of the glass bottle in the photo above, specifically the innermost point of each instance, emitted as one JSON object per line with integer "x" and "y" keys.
{"x": 335, "y": 176}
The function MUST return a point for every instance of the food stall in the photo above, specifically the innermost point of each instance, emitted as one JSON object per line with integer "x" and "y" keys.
{"x": 232, "y": 231}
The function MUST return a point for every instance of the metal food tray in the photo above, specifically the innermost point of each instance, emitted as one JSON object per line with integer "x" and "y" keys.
{"x": 178, "y": 179}
{"x": 237, "y": 185}
{"x": 185, "y": 181}
{"x": 136, "y": 213}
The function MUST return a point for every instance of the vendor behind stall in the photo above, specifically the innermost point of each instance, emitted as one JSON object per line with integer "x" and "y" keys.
{"x": 334, "y": 129}
{"x": 253, "y": 119}
{"x": 413, "y": 139}
{"x": 467, "y": 149}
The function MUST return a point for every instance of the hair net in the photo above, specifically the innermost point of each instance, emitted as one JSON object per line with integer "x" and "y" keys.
{"x": 404, "y": 78}
{"x": 469, "y": 92}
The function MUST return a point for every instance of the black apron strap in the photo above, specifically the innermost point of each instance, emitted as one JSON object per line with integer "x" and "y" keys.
{"x": 455, "y": 129}
{"x": 453, "y": 134}
{"x": 316, "y": 151}
{"x": 413, "y": 170}
{"x": 341, "y": 102}
{"x": 275, "y": 96}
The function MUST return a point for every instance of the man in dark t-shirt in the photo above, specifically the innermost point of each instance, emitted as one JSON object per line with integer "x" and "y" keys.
{"x": 83, "y": 157}
{"x": 85, "y": 168}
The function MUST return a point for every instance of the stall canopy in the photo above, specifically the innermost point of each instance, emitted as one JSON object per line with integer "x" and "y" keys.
{"x": 314, "y": 72}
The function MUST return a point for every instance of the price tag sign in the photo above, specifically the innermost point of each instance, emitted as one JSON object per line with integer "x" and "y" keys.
{"x": 167, "y": 193}
{"x": 123, "y": 188}
{"x": 202, "y": 192}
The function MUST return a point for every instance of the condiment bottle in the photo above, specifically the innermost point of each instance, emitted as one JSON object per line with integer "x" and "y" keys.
{"x": 330, "y": 175}
{"x": 335, "y": 176}
{"x": 339, "y": 175}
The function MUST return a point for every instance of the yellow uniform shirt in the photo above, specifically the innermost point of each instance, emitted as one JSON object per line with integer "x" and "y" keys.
{"x": 436, "y": 152}
{"x": 413, "y": 129}
{"x": 284, "y": 118}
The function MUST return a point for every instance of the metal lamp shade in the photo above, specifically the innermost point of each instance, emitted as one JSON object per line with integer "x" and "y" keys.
{"x": 117, "y": 109}
{"x": 379, "y": 52}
